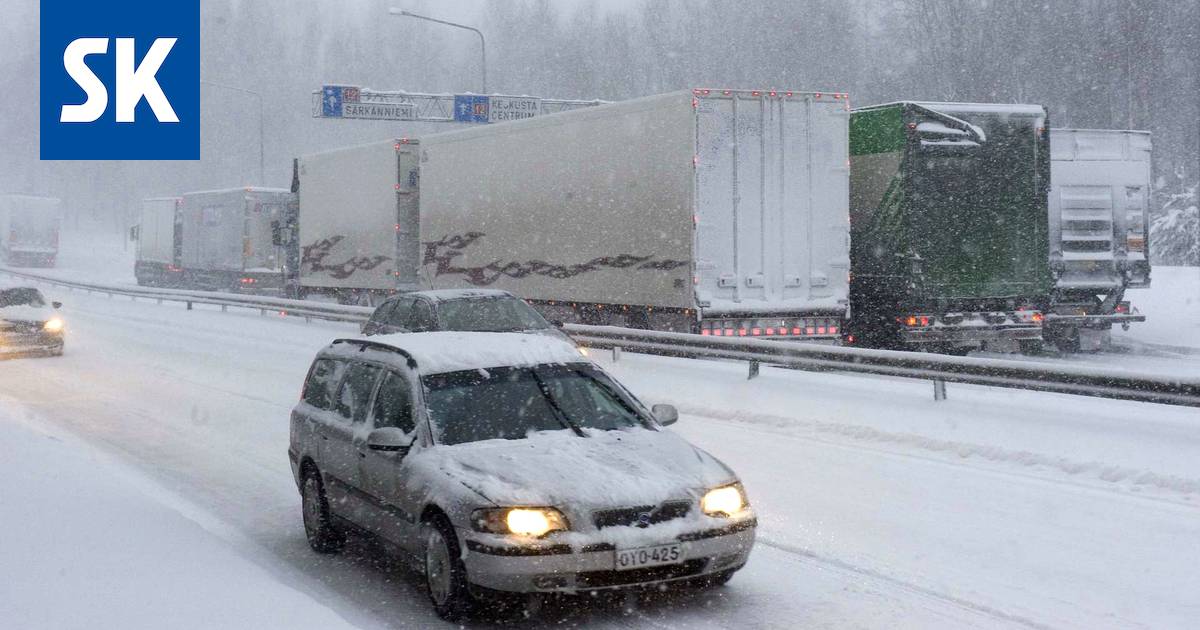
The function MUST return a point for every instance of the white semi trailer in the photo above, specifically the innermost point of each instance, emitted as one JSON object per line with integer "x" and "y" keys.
{"x": 1099, "y": 221}
{"x": 720, "y": 212}
{"x": 29, "y": 227}
{"x": 230, "y": 239}
{"x": 159, "y": 243}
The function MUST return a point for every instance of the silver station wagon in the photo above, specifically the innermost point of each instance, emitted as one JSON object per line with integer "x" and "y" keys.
{"x": 507, "y": 465}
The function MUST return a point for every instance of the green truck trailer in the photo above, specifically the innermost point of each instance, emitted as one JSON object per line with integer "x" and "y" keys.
{"x": 948, "y": 211}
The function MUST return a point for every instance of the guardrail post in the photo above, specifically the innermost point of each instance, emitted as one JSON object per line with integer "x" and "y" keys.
{"x": 939, "y": 389}
{"x": 753, "y": 370}
{"x": 616, "y": 353}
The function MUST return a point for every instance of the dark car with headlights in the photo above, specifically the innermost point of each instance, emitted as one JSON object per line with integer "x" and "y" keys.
{"x": 508, "y": 465}
{"x": 28, "y": 324}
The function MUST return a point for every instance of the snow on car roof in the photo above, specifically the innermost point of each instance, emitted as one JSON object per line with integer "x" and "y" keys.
{"x": 443, "y": 295}
{"x": 989, "y": 108}
{"x": 453, "y": 351}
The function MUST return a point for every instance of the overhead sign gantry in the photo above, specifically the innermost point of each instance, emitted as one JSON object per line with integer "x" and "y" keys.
{"x": 353, "y": 102}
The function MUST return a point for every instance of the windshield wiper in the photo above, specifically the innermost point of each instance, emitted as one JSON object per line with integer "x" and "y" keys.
{"x": 558, "y": 410}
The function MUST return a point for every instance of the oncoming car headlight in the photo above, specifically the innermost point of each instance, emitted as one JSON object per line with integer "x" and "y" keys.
{"x": 54, "y": 324}
{"x": 534, "y": 522}
{"x": 724, "y": 501}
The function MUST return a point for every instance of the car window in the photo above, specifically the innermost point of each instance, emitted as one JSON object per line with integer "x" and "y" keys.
{"x": 322, "y": 379}
{"x": 355, "y": 393}
{"x": 510, "y": 403}
{"x": 393, "y": 403}
{"x": 422, "y": 317}
{"x": 382, "y": 312}
{"x": 22, "y": 296}
{"x": 400, "y": 314}
{"x": 490, "y": 314}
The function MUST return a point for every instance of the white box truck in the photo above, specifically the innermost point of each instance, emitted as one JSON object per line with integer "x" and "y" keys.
{"x": 721, "y": 212}
{"x": 159, "y": 243}
{"x": 1099, "y": 221}
{"x": 29, "y": 227}
{"x": 229, "y": 239}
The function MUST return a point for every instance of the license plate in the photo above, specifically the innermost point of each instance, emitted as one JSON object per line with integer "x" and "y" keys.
{"x": 648, "y": 556}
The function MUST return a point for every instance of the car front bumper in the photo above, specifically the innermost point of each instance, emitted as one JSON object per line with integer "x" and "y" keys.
{"x": 12, "y": 343}
{"x": 561, "y": 568}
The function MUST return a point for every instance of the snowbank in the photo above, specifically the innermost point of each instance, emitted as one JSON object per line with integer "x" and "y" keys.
{"x": 87, "y": 543}
{"x": 1172, "y": 309}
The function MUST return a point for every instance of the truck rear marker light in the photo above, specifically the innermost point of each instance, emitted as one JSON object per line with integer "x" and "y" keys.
{"x": 789, "y": 94}
{"x": 817, "y": 96}
{"x": 833, "y": 330}
{"x": 820, "y": 330}
{"x": 741, "y": 332}
{"x": 797, "y": 331}
{"x": 770, "y": 331}
{"x": 704, "y": 332}
{"x": 810, "y": 330}
{"x": 773, "y": 94}
{"x": 756, "y": 331}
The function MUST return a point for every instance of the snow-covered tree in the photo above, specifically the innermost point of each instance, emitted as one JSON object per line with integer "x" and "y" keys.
{"x": 1175, "y": 232}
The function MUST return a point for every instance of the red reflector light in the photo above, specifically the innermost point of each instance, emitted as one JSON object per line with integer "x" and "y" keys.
{"x": 704, "y": 332}
{"x": 821, "y": 330}
{"x": 770, "y": 331}
{"x": 755, "y": 331}
{"x": 810, "y": 330}
{"x": 833, "y": 330}
{"x": 850, "y": 339}
{"x": 742, "y": 332}
{"x": 796, "y": 331}
{"x": 818, "y": 95}
{"x": 924, "y": 321}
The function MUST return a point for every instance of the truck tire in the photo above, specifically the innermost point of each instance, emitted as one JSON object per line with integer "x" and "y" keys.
{"x": 445, "y": 573}
{"x": 1068, "y": 342}
{"x": 322, "y": 536}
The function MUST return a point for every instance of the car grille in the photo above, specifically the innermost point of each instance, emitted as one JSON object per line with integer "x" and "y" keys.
{"x": 632, "y": 516}
{"x": 601, "y": 579}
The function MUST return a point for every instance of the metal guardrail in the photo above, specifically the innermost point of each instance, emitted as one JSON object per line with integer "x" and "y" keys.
{"x": 1046, "y": 377}
{"x": 281, "y": 306}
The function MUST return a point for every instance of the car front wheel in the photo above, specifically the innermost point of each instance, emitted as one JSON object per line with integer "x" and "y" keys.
{"x": 445, "y": 575}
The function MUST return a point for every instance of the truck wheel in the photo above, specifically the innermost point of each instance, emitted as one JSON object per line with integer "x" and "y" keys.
{"x": 1068, "y": 342}
{"x": 322, "y": 536}
{"x": 445, "y": 574}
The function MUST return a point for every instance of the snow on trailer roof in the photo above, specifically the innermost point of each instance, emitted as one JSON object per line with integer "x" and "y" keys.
{"x": 452, "y": 351}
{"x": 244, "y": 189}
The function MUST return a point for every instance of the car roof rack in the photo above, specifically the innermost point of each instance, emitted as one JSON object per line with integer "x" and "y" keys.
{"x": 375, "y": 345}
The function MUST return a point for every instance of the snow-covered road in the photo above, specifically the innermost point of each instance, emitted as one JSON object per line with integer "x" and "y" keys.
{"x": 879, "y": 508}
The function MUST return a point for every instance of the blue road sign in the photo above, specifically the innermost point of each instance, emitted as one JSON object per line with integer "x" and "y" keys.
{"x": 331, "y": 101}
{"x": 471, "y": 108}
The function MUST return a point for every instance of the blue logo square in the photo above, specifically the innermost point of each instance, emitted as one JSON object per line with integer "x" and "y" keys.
{"x": 120, "y": 80}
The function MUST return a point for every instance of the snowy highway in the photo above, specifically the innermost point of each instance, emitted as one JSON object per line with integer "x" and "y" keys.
{"x": 878, "y": 507}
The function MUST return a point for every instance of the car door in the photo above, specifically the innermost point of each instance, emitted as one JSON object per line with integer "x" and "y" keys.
{"x": 422, "y": 319}
{"x": 346, "y": 440}
{"x": 397, "y": 319}
{"x": 383, "y": 473}
{"x": 311, "y": 418}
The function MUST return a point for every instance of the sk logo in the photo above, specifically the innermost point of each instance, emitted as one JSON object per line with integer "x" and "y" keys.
{"x": 120, "y": 81}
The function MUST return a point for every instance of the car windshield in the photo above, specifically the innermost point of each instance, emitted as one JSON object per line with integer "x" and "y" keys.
{"x": 491, "y": 314}
{"x": 511, "y": 403}
{"x": 23, "y": 296}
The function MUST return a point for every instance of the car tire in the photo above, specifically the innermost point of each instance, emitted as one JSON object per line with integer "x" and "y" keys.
{"x": 56, "y": 351}
{"x": 322, "y": 536}
{"x": 445, "y": 573}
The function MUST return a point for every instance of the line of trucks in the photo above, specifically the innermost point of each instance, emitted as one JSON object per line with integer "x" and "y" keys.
{"x": 29, "y": 227}
{"x": 786, "y": 215}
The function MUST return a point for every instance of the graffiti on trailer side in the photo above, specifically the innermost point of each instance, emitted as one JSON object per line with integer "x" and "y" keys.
{"x": 442, "y": 253}
{"x": 313, "y": 258}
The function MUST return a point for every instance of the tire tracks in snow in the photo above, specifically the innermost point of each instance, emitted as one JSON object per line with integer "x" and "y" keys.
{"x": 896, "y": 583}
{"x": 1110, "y": 476}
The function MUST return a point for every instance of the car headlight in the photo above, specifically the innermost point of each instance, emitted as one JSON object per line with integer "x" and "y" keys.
{"x": 534, "y": 522}
{"x": 583, "y": 350}
{"x": 54, "y": 324}
{"x": 724, "y": 501}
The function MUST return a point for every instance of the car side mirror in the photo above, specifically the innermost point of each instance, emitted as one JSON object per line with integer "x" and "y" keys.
{"x": 389, "y": 440}
{"x": 557, "y": 323}
{"x": 665, "y": 414}
{"x": 56, "y": 304}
